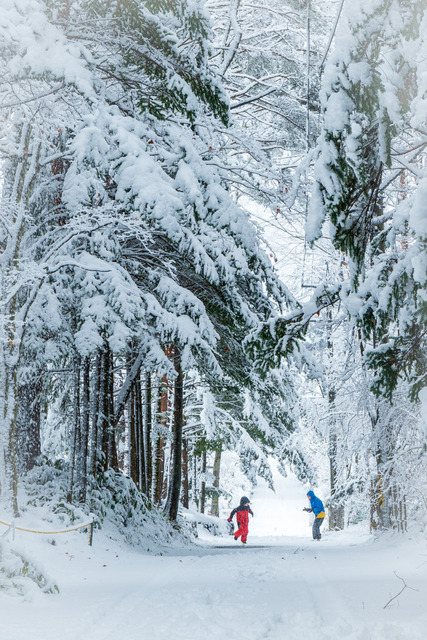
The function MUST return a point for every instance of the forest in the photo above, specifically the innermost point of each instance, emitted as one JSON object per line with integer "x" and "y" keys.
{"x": 213, "y": 254}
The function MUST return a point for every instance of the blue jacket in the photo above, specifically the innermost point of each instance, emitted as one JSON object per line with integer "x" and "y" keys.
{"x": 315, "y": 503}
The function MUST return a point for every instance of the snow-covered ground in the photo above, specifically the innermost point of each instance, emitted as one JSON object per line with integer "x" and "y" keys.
{"x": 281, "y": 586}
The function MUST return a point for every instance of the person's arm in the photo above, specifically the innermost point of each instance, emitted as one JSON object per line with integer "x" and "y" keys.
{"x": 231, "y": 515}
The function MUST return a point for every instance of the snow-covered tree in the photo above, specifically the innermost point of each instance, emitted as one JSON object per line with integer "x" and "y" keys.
{"x": 370, "y": 172}
{"x": 267, "y": 54}
{"x": 139, "y": 251}
{"x": 370, "y": 177}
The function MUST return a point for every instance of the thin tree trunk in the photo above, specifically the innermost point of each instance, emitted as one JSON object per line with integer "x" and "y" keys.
{"x": 203, "y": 487}
{"x": 216, "y": 472}
{"x": 140, "y": 436}
{"x": 378, "y": 494}
{"x": 76, "y": 425}
{"x": 28, "y": 425}
{"x": 18, "y": 181}
{"x": 84, "y": 432}
{"x": 336, "y": 510}
{"x": 133, "y": 465}
{"x": 103, "y": 409}
{"x": 404, "y": 514}
{"x": 154, "y": 459}
{"x": 113, "y": 460}
{"x": 177, "y": 425}
{"x": 123, "y": 396}
{"x": 194, "y": 487}
{"x": 185, "y": 482}
{"x": 147, "y": 434}
{"x": 12, "y": 446}
{"x": 160, "y": 443}
{"x": 94, "y": 440}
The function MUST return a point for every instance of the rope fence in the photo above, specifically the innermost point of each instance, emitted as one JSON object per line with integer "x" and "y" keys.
{"x": 12, "y": 527}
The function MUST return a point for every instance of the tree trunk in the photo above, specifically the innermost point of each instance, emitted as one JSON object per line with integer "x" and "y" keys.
{"x": 18, "y": 180}
{"x": 177, "y": 424}
{"x": 155, "y": 457}
{"x": 133, "y": 462}
{"x": 216, "y": 472}
{"x": 378, "y": 501}
{"x": 12, "y": 440}
{"x": 28, "y": 425}
{"x": 185, "y": 482}
{"x": 381, "y": 486}
{"x": 113, "y": 460}
{"x": 336, "y": 509}
{"x": 106, "y": 431}
{"x": 8, "y": 445}
{"x": 194, "y": 477}
{"x": 94, "y": 439}
{"x": 147, "y": 434}
{"x": 76, "y": 425}
{"x": 160, "y": 443}
{"x": 82, "y": 458}
{"x": 103, "y": 409}
{"x": 203, "y": 486}
{"x": 140, "y": 436}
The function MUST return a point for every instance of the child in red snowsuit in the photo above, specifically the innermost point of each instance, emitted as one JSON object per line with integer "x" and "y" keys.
{"x": 242, "y": 516}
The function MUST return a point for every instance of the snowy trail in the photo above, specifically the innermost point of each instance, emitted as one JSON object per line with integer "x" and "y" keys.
{"x": 282, "y": 586}
{"x": 295, "y": 589}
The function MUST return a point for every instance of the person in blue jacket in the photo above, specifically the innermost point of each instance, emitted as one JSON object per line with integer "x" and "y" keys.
{"x": 316, "y": 506}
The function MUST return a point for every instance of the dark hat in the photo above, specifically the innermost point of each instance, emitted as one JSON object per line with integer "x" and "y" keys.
{"x": 244, "y": 500}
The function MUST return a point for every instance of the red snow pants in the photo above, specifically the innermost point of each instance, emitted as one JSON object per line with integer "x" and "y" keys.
{"x": 243, "y": 529}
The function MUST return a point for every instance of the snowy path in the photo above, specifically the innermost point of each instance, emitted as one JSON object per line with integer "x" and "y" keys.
{"x": 295, "y": 589}
{"x": 282, "y": 586}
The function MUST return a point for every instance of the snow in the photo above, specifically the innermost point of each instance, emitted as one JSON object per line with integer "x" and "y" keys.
{"x": 281, "y": 585}
{"x": 41, "y": 47}
{"x": 423, "y": 412}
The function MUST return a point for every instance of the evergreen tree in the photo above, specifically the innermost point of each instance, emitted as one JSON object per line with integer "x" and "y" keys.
{"x": 370, "y": 147}
{"x": 138, "y": 248}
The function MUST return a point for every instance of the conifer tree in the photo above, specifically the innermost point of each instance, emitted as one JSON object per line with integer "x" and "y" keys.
{"x": 368, "y": 167}
{"x": 138, "y": 246}
{"x": 369, "y": 177}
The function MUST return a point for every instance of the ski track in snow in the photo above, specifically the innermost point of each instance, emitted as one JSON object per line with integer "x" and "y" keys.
{"x": 282, "y": 586}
